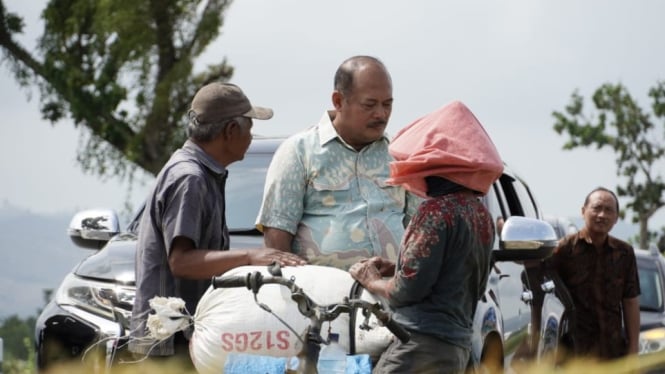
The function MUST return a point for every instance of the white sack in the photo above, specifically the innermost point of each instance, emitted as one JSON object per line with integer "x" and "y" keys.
{"x": 229, "y": 320}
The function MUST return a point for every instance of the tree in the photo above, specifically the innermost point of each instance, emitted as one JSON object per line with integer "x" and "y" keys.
{"x": 14, "y": 330}
{"x": 635, "y": 136}
{"x": 122, "y": 69}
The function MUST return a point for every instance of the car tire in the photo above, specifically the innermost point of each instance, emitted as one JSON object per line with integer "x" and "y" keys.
{"x": 491, "y": 359}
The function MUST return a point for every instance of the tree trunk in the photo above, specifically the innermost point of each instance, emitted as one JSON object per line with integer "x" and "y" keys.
{"x": 644, "y": 232}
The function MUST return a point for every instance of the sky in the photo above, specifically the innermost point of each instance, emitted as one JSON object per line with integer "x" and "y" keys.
{"x": 511, "y": 62}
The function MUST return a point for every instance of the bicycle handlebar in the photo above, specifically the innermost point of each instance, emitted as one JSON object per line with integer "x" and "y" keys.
{"x": 253, "y": 281}
{"x": 229, "y": 282}
{"x": 393, "y": 326}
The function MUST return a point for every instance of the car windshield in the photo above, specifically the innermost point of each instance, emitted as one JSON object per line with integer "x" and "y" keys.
{"x": 651, "y": 287}
{"x": 244, "y": 190}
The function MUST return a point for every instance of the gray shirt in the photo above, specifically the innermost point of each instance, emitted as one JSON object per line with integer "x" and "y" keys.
{"x": 188, "y": 201}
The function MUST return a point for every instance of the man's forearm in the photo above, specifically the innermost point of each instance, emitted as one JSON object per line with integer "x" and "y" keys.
{"x": 631, "y": 316}
{"x": 278, "y": 239}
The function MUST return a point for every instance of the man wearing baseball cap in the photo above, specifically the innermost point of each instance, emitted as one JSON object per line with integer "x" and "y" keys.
{"x": 183, "y": 239}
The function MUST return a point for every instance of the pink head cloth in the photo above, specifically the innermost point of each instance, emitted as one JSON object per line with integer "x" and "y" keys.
{"x": 450, "y": 143}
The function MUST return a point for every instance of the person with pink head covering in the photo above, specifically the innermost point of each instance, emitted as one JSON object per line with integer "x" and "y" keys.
{"x": 444, "y": 257}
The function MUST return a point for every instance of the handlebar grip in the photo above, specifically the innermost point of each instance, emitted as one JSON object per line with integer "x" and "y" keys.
{"x": 230, "y": 281}
{"x": 397, "y": 330}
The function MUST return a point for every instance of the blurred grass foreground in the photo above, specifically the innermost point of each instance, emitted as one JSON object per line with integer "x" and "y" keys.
{"x": 642, "y": 364}
{"x": 648, "y": 363}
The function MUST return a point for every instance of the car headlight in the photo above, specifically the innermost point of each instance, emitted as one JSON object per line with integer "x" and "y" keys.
{"x": 652, "y": 340}
{"x": 101, "y": 298}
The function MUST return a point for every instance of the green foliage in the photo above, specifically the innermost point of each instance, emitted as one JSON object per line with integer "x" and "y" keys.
{"x": 660, "y": 240}
{"x": 13, "y": 332}
{"x": 18, "y": 341}
{"x": 635, "y": 137}
{"x": 121, "y": 69}
{"x": 21, "y": 366}
{"x": 19, "y": 351}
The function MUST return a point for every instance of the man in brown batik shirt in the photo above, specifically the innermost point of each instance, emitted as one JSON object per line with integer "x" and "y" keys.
{"x": 600, "y": 274}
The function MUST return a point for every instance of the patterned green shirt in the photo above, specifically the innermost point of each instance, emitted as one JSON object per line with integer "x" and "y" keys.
{"x": 334, "y": 199}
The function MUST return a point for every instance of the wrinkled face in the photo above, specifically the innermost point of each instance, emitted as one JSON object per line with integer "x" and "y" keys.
{"x": 600, "y": 213}
{"x": 242, "y": 137}
{"x": 362, "y": 114}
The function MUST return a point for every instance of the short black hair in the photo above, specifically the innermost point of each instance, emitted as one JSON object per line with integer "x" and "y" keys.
{"x": 344, "y": 75}
{"x": 586, "y": 201}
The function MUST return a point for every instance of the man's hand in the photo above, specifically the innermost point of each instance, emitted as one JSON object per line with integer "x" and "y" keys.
{"x": 369, "y": 275}
{"x": 267, "y": 256}
{"x": 386, "y": 267}
{"x": 365, "y": 272}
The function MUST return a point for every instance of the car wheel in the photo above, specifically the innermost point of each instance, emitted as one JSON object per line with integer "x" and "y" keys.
{"x": 491, "y": 360}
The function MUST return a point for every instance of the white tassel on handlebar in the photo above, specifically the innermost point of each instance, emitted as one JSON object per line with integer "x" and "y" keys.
{"x": 170, "y": 317}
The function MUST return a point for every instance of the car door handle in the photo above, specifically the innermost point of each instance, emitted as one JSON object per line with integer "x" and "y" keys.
{"x": 548, "y": 286}
{"x": 527, "y": 297}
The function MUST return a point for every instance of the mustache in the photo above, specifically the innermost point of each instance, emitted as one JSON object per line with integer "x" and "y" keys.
{"x": 378, "y": 123}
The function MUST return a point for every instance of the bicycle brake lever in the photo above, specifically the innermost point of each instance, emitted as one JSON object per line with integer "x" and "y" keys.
{"x": 275, "y": 269}
{"x": 255, "y": 281}
{"x": 365, "y": 325}
{"x": 303, "y": 302}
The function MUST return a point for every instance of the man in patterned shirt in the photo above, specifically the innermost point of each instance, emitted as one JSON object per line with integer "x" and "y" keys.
{"x": 600, "y": 274}
{"x": 325, "y": 196}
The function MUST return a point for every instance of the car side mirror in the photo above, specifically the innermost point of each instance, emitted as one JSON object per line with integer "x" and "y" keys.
{"x": 93, "y": 228}
{"x": 525, "y": 239}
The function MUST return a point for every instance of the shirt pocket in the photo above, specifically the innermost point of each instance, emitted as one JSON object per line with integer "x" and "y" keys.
{"x": 393, "y": 197}
{"x": 329, "y": 196}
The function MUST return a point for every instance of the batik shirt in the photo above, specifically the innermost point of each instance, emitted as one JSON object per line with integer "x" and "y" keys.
{"x": 443, "y": 267}
{"x": 598, "y": 281}
{"x": 334, "y": 199}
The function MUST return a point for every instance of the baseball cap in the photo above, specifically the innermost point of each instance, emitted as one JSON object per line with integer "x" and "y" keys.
{"x": 217, "y": 101}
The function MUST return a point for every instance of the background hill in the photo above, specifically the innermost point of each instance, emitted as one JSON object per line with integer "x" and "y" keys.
{"x": 37, "y": 255}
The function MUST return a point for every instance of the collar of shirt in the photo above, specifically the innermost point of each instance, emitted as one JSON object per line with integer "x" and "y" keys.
{"x": 327, "y": 131}
{"x": 205, "y": 159}
{"x": 610, "y": 242}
